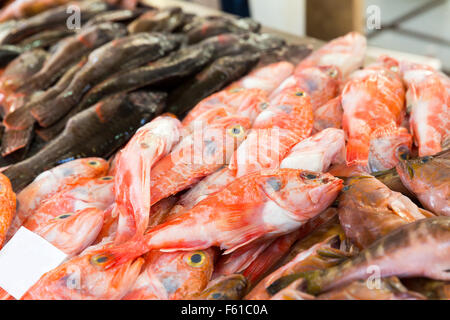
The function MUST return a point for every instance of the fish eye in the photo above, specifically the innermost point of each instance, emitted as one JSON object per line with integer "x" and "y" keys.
{"x": 300, "y": 93}
{"x": 236, "y": 130}
{"x": 346, "y": 188}
{"x": 309, "y": 175}
{"x": 425, "y": 159}
{"x": 107, "y": 178}
{"x": 99, "y": 259}
{"x": 264, "y": 105}
{"x": 196, "y": 259}
{"x": 94, "y": 163}
{"x": 333, "y": 73}
{"x": 216, "y": 295}
{"x": 394, "y": 69}
{"x": 403, "y": 152}
{"x": 63, "y": 216}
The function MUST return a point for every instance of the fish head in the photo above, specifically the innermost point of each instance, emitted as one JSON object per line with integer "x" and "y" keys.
{"x": 385, "y": 147}
{"x": 73, "y": 232}
{"x": 181, "y": 273}
{"x": 302, "y": 193}
{"x": 90, "y": 167}
{"x": 421, "y": 174}
{"x": 221, "y": 138}
{"x": 229, "y": 287}
{"x": 290, "y": 111}
{"x": 80, "y": 279}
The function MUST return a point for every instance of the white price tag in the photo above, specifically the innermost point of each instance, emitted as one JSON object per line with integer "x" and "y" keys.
{"x": 24, "y": 259}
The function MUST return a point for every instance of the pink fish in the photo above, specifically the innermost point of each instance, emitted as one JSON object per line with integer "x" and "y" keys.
{"x": 428, "y": 98}
{"x": 50, "y": 182}
{"x": 150, "y": 143}
{"x": 318, "y": 152}
{"x": 346, "y": 53}
{"x": 373, "y": 102}
{"x": 253, "y": 208}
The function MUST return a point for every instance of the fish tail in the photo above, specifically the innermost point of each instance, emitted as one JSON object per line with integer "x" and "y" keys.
{"x": 19, "y": 119}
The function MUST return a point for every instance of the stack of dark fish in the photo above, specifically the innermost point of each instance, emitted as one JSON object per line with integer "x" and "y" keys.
{"x": 52, "y": 73}
{"x": 172, "y": 156}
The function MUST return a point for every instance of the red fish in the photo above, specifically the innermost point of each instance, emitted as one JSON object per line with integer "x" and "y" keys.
{"x": 256, "y": 207}
{"x": 373, "y": 102}
{"x": 346, "y": 53}
{"x": 266, "y": 78}
{"x": 173, "y": 275}
{"x": 7, "y": 206}
{"x": 50, "y": 182}
{"x": 87, "y": 193}
{"x": 197, "y": 155}
{"x": 150, "y": 143}
{"x": 428, "y": 97}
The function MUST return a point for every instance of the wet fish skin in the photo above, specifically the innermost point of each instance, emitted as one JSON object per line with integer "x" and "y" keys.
{"x": 27, "y": 8}
{"x": 51, "y": 18}
{"x": 21, "y": 118}
{"x": 432, "y": 289}
{"x": 429, "y": 179}
{"x": 94, "y": 284}
{"x": 119, "y": 15}
{"x": 390, "y": 289}
{"x": 203, "y": 28}
{"x": 368, "y": 210}
{"x": 211, "y": 79}
{"x": 72, "y": 50}
{"x": 97, "y": 131}
{"x": 418, "y": 249}
{"x": 115, "y": 56}
{"x": 164, "y": 20}
{"x": 282, "y": 192}
{"x": 391, "y": 179}
{"x": 230, "y": 287}
{"x": 45, "y": 39}
{"x": 49, "y": 182}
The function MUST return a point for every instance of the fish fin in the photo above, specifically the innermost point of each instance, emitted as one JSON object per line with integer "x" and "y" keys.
{"x": 14, "y": 140}
{"x": 426, "y": 213}
{"x": 357, "y": 152}
{"x": 19, "y": 119}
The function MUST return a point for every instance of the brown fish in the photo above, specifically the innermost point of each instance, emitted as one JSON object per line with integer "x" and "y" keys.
{"x": 432, "y": 289}
{"x": 97, "y": 131}
{"x": 418, "y": 249}
{"x": 230, "y": 287}
{"x": 72, "y": 50}
{"x": 164, "y": 20}
{"x": 429, "y": 179}
{"x": 52, "y": 18}
{"x": 388, "y": 289}
{"x": 205, "y": 27}
{"x": 115, "y": 56}
{"x": 369, "y": 210}
{"x": 213, "y": 78}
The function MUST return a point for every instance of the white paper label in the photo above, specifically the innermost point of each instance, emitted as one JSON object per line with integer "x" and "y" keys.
{"x": 24, "y": 259}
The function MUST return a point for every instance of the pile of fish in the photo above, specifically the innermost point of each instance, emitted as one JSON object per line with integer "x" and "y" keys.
{"x": 172, "y": 156}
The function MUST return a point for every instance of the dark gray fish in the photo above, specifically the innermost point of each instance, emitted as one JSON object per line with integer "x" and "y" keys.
{"x": 72, "y": 50}
{"x": 8, "y": 53}
{"x": 206, "y": 27}
{"x": 121, "y": 15}
{"x": 21, "y": 118}
{"x": 418, "y": 249}
{"x": 164, "y": 20}
{"x": 213, "y": 78}
{"x": 115, "y": 56}
{"x": 14, "y": 140}
{"x": 432, "y": 289}
{"x": 15, "y": 75}
{"x": 97, "y": 131}
{"x": 45, "y": 38}
{"x": 182, "y": 63}
{"x": 52, "y": 18}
